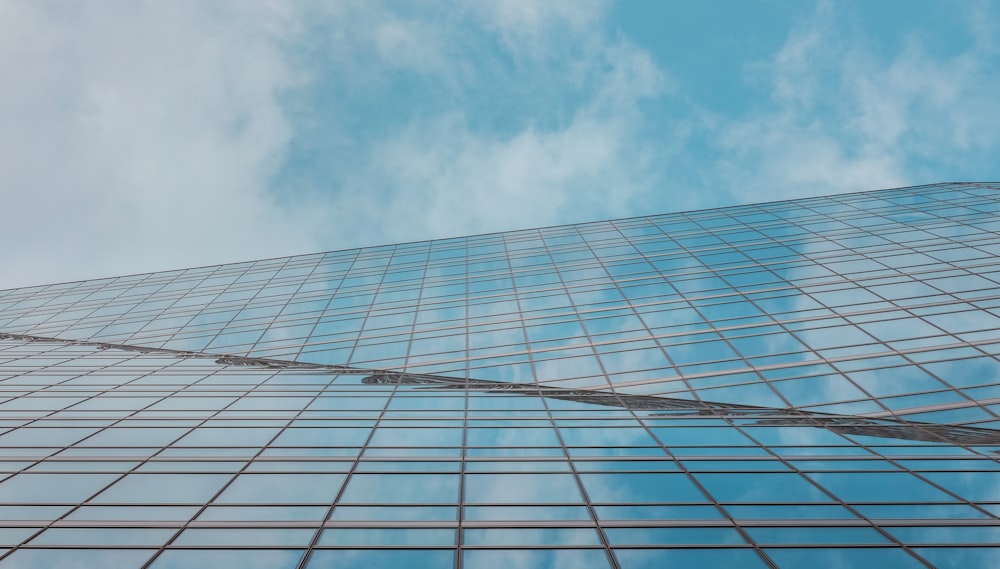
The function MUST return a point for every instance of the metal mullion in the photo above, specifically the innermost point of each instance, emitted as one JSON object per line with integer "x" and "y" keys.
{"x": 121, "y": 476}
{"x": 229, "y": 323}
{"x": 375, "y": 292}
{"x": 895, "y": 412}
{"x": 246, "y": 463}
{"x": 634, "y": 311}
{"x": 958, "y": 498}
{"x": 843, "y": 503}
{"x": 462, "y": 522}
{"x": 569, "y": 458}
{"x": 729, "y": 344}
{"x": 950, "y": 222}
{"x": 144, "y": 298}
{"x": 302, "y": 282}
{"x": 48, "y": 416}
{"x": 595, "y": 521}
{"x": 551, "y": 421}
{"x": 105, "y": 302}
{"x": 682, "y": 467}
{"x": 303, "y": 562}
{"x": 194, "y": 315}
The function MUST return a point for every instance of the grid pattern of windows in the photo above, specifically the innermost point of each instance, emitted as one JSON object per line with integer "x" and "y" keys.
{"x": 803, "y": 382}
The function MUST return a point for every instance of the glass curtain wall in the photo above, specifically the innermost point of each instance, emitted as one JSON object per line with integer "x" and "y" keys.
{"x": 808, "y": 382}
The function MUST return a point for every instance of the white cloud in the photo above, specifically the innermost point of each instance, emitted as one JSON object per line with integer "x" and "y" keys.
{"x": 141, "y": 136}
{"x": 843, "y": 117}
{"x": 147, "y": 136}
{"x": 529, "y": 28}
{"x": 439, "y": 176}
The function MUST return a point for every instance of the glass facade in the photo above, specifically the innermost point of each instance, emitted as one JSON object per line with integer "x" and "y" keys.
{"x": 801, "y": 383}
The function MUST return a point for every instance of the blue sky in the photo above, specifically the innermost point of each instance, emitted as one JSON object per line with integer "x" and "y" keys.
{"x": 142, "y": 136}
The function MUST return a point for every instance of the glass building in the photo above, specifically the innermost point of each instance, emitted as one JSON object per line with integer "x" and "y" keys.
{"x": 800, "y": 383}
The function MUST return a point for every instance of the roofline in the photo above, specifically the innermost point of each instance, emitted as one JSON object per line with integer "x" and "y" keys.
{"x": 982, "y": 184}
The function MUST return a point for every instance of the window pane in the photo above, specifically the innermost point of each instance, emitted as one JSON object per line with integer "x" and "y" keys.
{"x": 521, "y": 488}
{"x": 535, "y": 559}
{"x": 282, "y": 489}
{"x": 227, "y": 559}
{"x": 401, "y": 489}
{"x": 381, "y": 559}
